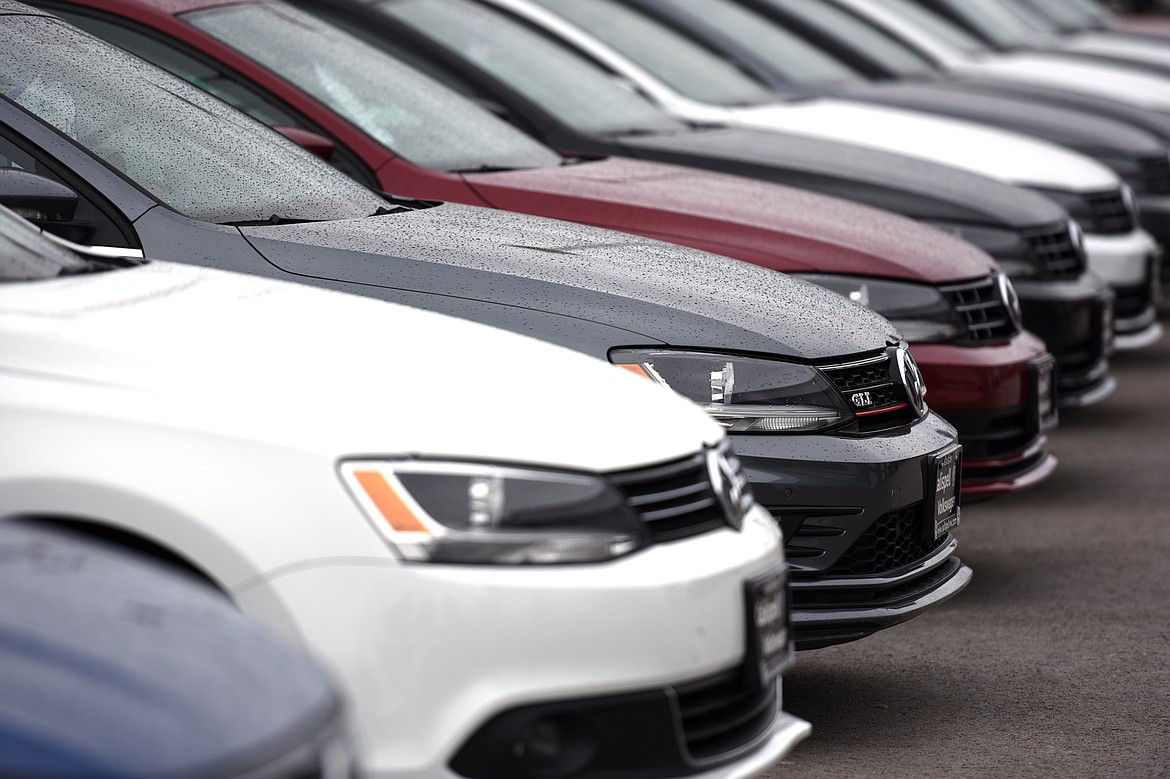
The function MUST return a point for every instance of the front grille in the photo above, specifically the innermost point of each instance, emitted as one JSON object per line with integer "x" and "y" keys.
{"x": 725, "y": 712}
{"x": 983, "y": 308}
{"x": 896, "y": 539}
{"x": 869, "y": 388}
{"x": 1104, "y": 213}
{"x": 677, "y": 500}
{"x": 1057, "y": 255}
{"x": 1155, "y": 174}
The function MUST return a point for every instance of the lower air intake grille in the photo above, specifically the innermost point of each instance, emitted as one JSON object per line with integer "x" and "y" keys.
{"x": 983, "y": 308}
{"x": 1058, "y": 256}
{"x": 1105, "y": 213}
{"x": 676, "y": 500}
{"x": 1156, "y": 174}
{"x": 895, "y": 540}
{"x": 723, "y": 713}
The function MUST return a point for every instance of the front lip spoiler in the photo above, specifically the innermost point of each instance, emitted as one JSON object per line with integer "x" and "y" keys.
{"x": 1141, "y": 339}
{"x": 815, "y": 627}
{"x": 1090, "y": 397}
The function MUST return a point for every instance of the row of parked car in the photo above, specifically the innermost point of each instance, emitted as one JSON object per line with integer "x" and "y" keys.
{"x": 306, "y": 316}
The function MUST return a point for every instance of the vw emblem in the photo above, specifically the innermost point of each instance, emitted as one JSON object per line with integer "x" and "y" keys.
{"x": 1012, "y": 301}
{"x": 727, "y": 488}
{"x": 912, "y": 380}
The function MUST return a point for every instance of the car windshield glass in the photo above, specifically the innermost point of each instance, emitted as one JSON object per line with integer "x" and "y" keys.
{"x": 787, "y": 54}
{"x": 191, "y": 151}
{"x": 943, "y": 30}
{"x": 995, "y": 22}
{"x": 25, "y": 255}
{"x": 416, "y": 117}
{"x": 850, "y": 30}
{"x": 577, "y": 92}
{"x": 1071, "y": 14}
{"x": 685, "y": 65}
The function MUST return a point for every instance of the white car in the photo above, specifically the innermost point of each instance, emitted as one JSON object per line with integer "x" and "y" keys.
{"x": 673, "y": 72}
{"x": 457, "y": 520}
{"x": 948, "y": 46}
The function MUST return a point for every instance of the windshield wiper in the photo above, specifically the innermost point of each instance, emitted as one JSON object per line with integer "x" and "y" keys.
{"x": 485, "y": 168}
{"x": 275, "y": 219}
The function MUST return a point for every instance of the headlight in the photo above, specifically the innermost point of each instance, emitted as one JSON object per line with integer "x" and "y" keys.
{"x": 469, "y": 513}
{"x": 744, "y": 394}
{"x": 921, "y": 312}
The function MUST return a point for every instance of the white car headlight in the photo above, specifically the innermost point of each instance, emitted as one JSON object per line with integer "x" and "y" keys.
{"x": 453, "y": 512}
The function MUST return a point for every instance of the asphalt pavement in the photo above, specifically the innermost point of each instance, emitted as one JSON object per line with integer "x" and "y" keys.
{"x": 1055, "y": 661}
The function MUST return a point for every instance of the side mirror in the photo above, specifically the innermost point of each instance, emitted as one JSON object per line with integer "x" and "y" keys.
{"x": 35, "y": 197}
{"x": 318, "y": 144}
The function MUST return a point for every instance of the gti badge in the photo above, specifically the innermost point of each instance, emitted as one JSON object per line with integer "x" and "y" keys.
{"x": 912, "y": 380}
{"x": 728, "y": 488}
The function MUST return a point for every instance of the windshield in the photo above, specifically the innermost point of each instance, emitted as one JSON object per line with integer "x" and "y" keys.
{"x": 416, "y": 117}
{"x": 27, "y": 256}
{"x": 787, "y": 54}
{"x": 575, "y": 91}
{"x": 683, "y": 64}
{"x": 944, "y": 30}
{"x": 848, "y": 29}
{"x": 1072, "y": 14}
{"x": 1004, "y": 25}
{"x": 189, "y": 150}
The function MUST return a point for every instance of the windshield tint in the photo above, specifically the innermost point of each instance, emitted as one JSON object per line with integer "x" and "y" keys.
{"x": 577, "y": 92}
{"x": 944, "y": 30}
{"x": 27, "y": 256}
{"x": 1072, "y": 14}
{"x": 848, "y": 29}
{"x": 995, "y": 22}
{"x": 416, "y": 117}
{"x": 787, "y": 55}
{"x": 686, "y": 66}
{"x": 194, "y": 153}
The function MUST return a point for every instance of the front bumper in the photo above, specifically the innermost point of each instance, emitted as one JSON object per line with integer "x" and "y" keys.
{"x": 1130, "y": 264}
{"x": 993, "y": 395}
{"x": 1075, "y": 320}
{"x": 832, "y": 497}
{"x": 1154, "y": 211}
{"x": 427, "y": 654}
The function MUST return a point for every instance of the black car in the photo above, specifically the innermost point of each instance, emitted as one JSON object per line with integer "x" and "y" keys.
{"x": 118, "y": 665}
{"x": 572, "y": 105}
{"x": 826, "y": 407}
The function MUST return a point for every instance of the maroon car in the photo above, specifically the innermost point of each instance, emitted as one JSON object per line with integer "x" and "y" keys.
{"x": 395, "y": 129}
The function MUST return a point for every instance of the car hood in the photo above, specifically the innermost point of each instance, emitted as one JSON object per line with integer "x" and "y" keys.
{"x": 652, "y": 290}
{"x": 777, "y": 227}
{"x": 1076, "y": 74}
{"x": 183, "y": 348}
{"x": 1007, "y": 156}
{"x": 1081, "y": 130}
{"x": 912, "y": 187}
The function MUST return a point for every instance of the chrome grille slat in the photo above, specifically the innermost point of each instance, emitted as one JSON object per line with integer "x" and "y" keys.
{"x": 984, "y": 310}
{"x": 677, "y": 499}
{"x": 1055, "y": 251}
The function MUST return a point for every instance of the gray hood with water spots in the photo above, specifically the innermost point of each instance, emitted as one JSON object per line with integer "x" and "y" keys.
{"x": 588, "y": 289}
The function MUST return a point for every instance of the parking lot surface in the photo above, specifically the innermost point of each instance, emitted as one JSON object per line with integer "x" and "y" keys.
{"x": 1056, "y": 659}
